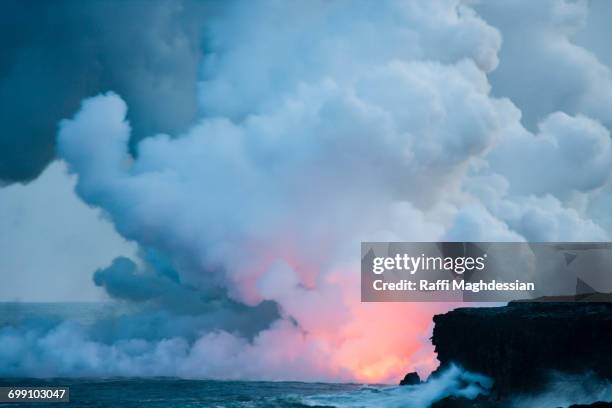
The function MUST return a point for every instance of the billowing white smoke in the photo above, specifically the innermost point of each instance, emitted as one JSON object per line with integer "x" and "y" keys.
{"x": 324, "y": 125}
{"x": 543, "y": 68}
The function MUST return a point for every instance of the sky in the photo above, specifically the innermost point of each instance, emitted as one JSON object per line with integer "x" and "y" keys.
{"x": 218, "y": 165}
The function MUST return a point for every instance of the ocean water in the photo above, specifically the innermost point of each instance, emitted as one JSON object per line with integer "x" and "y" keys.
{"x": 16, "y": 313}
{"x": 175, "y": 393}
{"x": 179, "y": 393}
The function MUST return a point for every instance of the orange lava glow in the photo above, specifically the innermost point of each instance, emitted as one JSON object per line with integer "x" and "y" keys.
{"x": 352, "y": 341}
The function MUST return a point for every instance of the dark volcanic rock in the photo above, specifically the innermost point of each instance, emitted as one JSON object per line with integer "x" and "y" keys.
{"x": 411, "y": 379}
{"x": 520, "y": 344}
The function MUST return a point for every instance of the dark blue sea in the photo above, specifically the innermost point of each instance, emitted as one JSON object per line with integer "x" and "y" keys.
{"x": 171, "y": 393}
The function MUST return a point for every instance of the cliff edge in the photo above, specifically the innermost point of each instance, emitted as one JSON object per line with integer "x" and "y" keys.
{"x": 520, "y": 344}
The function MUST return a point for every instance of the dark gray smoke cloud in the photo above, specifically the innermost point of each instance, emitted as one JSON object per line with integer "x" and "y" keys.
{"x": 55, "y": 53}
{"x": 158, "y": 288}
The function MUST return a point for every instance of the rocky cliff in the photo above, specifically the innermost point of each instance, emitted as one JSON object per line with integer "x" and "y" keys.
{"x": 520, "y": 344}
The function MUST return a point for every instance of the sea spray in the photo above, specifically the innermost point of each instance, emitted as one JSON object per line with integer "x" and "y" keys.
{"x": 453, "y": 381}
